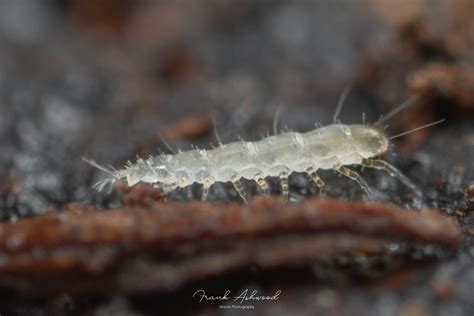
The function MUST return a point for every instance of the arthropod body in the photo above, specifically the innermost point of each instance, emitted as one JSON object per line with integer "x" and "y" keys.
{"x": 331, "y": 147}
{"x": 334, "y": 146}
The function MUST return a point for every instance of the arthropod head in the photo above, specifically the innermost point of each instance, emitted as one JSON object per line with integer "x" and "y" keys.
{"x": 369, "y": 140}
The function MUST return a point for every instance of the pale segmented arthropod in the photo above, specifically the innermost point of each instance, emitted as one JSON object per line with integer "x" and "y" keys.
{"x": 330, "y": 147}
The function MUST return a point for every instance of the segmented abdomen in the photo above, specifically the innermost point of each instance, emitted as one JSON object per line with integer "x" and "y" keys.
{"x": 289, "y": 152}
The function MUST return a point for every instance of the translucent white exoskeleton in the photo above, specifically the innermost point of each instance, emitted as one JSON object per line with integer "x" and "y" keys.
{"x": 335, "y": 146}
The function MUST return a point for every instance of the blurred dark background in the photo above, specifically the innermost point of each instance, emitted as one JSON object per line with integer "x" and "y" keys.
{"x": 102, "y": 79}
{"x": 108, "y": 80}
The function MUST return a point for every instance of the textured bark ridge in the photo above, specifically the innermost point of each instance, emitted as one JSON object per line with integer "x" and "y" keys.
{"x": 141, "y": 250}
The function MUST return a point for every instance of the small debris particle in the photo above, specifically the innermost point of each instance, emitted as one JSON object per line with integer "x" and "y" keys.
{"x": 141, "y": 195}
{"x": 412, "y": 308}
{"x": 469, "y": 194}
{"x": 443, "y": 288}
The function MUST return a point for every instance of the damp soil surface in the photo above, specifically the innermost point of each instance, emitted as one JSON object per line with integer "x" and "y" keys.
{"x": 110, "y": 80}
